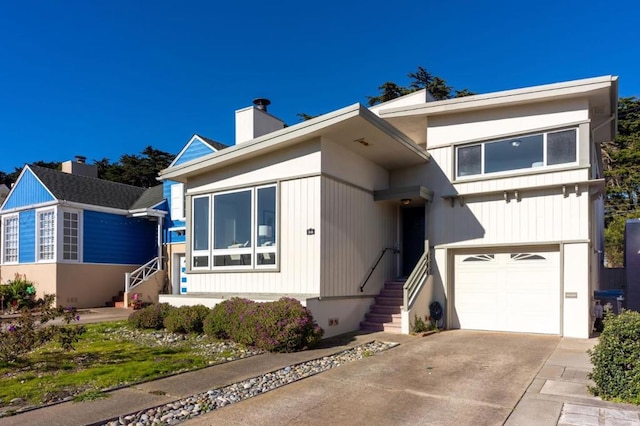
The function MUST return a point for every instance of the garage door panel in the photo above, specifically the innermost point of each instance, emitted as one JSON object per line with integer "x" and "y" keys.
{"x": 517, "y": 292}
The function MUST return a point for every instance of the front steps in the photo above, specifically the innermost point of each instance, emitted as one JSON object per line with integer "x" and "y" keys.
{"x": 384, "y": 314}
{"x": 116, "y": 301}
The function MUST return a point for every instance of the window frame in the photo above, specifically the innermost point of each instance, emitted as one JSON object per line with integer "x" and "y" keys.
{"x": 6, "y": 219}
{"x": 545, "y": 155}
{"x": 39, "y": 253}
{"x": 61, "y": 235}
{"x": 252, "y": 249}
{"x": 178, "y": 209}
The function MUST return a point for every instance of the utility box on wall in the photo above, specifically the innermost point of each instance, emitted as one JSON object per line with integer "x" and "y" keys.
{"x": 632, "y": 264}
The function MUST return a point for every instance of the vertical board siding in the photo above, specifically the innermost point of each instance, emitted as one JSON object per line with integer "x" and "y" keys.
{"x": 27, "y": 192}
{"x": 115, "y": 239}
{"x": 196, "y": 149}
{"x": 540, "y": 216}
{"x": 299, "y": 263}
{"x": 355, "y": 231}
{"x": 27, "y": 236}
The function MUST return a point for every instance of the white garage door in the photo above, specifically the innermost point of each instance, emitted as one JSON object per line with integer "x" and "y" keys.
{"x": 517, "y": 291}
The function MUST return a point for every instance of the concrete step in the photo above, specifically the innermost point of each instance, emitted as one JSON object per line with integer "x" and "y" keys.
{"x": 385, "y": 309}
{"x": 377, "y": 317}
{"x": 394, "y": 285}
{"x": 386, "y": 301}
{"x": 376, "y": 326}
{"x": 119, "y": 304}
{"x": 393, "y": 292}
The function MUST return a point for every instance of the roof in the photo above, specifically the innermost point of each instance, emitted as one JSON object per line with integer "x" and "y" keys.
{"x": 355, "y": 123}
{"x": 150, "y": 198}
{"x": 88, "y": 190}
{"x": 214, "y": 144}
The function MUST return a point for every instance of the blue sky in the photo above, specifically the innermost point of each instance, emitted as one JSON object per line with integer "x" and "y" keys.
{"x": 102, "y": 79}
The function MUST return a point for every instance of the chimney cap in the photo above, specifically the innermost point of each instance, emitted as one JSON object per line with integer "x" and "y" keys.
{"x": 262, "y": 103}
{"x": 81, "y": 159}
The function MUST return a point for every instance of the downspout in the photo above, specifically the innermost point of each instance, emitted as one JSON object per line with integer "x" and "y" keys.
{"x": 160, "y": 263}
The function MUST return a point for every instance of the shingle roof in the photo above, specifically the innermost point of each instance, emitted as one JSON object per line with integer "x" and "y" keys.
{"x": 88, "y": 190}
{"x": 149, "y": 198}
{"x": 214, "y": 144}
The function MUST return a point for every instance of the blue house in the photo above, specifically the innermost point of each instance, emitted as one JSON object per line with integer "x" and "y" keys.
{"x": 77, "y": 236}
{"x": 174, "y": 224}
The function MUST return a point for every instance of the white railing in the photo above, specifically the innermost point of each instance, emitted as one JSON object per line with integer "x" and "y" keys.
{"x": 417, "y": 278}
{"x": 140, "y": 275}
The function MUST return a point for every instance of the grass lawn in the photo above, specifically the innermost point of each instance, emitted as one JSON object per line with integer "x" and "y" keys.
{"x": 108, "y": 355}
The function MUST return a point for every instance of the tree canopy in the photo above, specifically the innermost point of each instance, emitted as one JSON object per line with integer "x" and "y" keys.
{"x": 621, "y": 160}
{"x": 132, "y": 169}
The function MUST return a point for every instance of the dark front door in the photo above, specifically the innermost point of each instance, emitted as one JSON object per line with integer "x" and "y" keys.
{"x": 412, "y": 237}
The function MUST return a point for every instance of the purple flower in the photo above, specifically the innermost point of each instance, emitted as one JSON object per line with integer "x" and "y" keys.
{"x": 78, "y": 318}
{"x": 12, "y": 328}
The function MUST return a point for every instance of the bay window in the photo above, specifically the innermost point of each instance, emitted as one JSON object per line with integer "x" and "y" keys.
{"x": 517, "y": 153}
{"x": 235, "y": 229}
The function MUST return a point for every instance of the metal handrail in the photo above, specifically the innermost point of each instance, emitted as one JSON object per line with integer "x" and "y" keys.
{"x": 135, "y": 278}
{"x": 373, "y": 268}
{"x": 417, "y": 277}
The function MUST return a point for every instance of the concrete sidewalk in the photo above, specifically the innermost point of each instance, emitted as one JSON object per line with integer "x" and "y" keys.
{"x": 559, "y": 393}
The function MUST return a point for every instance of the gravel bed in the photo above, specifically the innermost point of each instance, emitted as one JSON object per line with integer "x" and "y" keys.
{"x": 195, "y": 405}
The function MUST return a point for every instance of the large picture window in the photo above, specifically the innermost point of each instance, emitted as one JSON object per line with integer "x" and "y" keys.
{"x": 518, "y": 153}
{"x": 235, "y": 229}
{"x": 10, "y": 239}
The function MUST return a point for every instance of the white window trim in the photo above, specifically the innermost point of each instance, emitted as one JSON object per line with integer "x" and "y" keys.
{"x": 207, "y": 252}
{"x": 38, "y": 254}
{"x": 60, "y": 235}
{"x": 6, "y": 218}
{"x": 544, "y": 167}
{"x": 253, "y": 250}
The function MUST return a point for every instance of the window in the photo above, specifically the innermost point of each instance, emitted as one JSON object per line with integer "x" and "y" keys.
{"x": 480, "y": 258}
{"x": 177, "y": 201}
{"x": 46, "y": 238}
{"x": 200, "y": 232}
{"x": 238, "y": 233}
{"x": 70, "y": 236}
{"x": 10, "y": 240}
{"x": 523, "y": 152}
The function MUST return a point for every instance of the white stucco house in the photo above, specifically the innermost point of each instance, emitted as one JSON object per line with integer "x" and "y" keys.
{"x": 491, "y": 205}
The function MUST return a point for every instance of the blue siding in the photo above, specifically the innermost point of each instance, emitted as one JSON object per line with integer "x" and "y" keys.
{"x": 196, "y": 149}
{"x": 110, "y": 238}
{"x": 27, "y": 237}
{"x": 28, "y": 191}
{"x": 170, "y": 236}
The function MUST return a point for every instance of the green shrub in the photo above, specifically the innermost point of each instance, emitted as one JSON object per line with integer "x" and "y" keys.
{"x": 19, "y": 293}
{"x": 286, "y": 326}
{"x": 233, "y": 319}
{"x": 150, "y": 317}
{"x": 422, "y": 326}
{"x": 186, "y": 319}
{"x": 616, "y": 359}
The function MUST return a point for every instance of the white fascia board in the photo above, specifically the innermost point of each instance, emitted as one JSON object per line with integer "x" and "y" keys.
{"x": 187, "y": 145}
{"x": 503, "y": 98}
{"x": 146, "y": 212}
{"x": 29, "y": 207}
{"x": 285, "y": 137}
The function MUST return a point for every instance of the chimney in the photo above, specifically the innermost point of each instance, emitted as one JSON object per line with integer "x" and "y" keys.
{"x": 255, "y": 121}
{"x": 80, "y": 167}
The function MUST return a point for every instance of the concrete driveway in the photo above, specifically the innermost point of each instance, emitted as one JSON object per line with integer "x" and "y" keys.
{"x": 451, "y": 378}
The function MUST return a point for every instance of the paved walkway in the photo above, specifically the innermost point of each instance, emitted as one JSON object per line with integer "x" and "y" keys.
{"x": 559, "y": 396}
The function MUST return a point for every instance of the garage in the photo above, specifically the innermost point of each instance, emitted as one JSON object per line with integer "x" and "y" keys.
{"x": 515, "y": 291}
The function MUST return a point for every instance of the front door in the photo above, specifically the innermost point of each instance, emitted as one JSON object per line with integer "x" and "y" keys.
{"x": 412, "y": 237}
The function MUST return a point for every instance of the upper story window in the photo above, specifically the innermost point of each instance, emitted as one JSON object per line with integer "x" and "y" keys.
{"x": 10, "y": 239}
{"x": 518, "y": 153}
{"x": 235, "y": 229}
{"x": 46, "y": 238}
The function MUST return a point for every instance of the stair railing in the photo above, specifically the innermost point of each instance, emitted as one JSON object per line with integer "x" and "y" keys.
{"x": 375, "y": 265}
{"x": 140, "y": 275}
{"x": 417, "y": 278}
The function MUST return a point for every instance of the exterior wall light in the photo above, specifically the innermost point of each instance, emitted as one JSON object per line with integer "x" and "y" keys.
{"x": 405, "y": 201}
